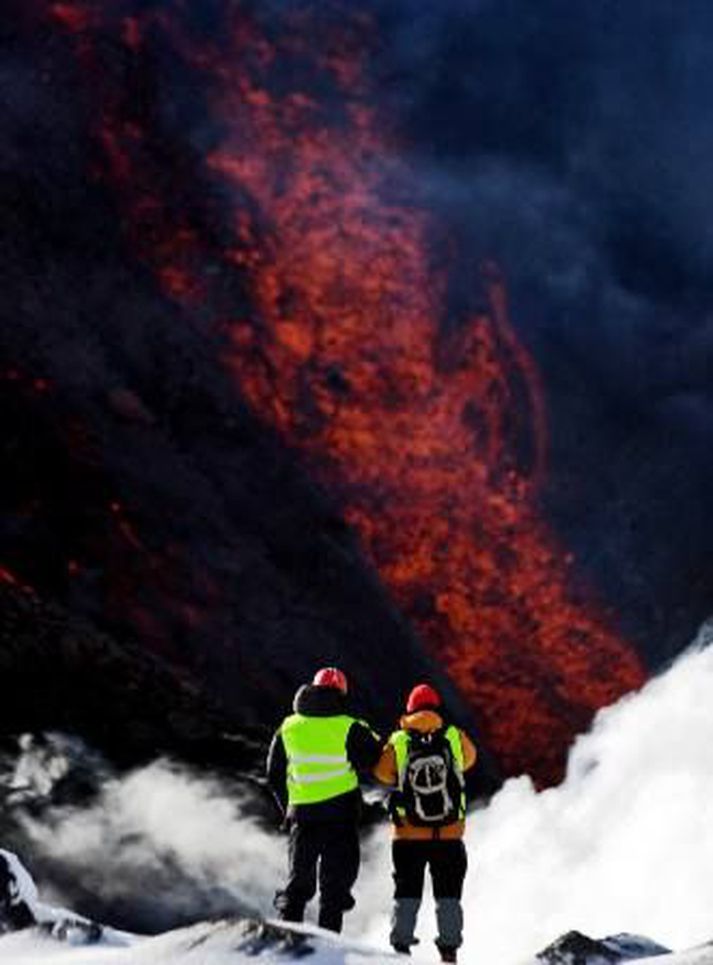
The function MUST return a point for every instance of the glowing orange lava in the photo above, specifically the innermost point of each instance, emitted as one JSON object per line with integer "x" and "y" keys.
{"x": 430, "y": 429}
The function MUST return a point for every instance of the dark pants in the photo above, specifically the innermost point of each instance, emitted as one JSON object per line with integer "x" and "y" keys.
{"x": 447, "y": 862}
{"x": 329, "y": 850}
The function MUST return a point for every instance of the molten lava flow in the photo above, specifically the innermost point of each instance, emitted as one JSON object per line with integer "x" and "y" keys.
{"x": 429, "y": 428}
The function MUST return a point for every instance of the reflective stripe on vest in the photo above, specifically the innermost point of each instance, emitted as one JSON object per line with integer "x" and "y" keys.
{"x": 317, "y": 764}
{"x": 400, "y": 741}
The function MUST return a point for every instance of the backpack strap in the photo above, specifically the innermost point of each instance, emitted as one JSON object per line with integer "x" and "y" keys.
{"x": 399, "y": 742}
{"x": 452, "y": 735}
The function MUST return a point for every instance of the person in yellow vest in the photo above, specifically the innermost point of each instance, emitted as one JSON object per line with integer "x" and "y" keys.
{"x": 424, "y": 761}
{"x": 313, "y": 768}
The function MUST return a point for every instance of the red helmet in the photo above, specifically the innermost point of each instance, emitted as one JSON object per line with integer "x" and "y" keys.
{"x": 330, "y": 677}
{"x": 423, "y": 697}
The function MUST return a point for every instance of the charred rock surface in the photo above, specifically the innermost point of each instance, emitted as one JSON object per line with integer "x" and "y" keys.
{"x": 59, "y": 672}
{"x": 574, "y": 948}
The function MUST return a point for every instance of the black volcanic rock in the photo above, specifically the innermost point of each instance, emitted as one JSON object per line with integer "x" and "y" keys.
{"x": 574, "y": 948}
{"x": 60, "y": 673}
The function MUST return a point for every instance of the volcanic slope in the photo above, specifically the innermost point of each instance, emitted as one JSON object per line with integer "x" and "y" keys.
{"x": 140, "y": 496}
{"x": 292, "y": 251}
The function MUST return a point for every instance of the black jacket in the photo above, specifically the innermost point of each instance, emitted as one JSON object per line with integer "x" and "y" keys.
{"x": 363, "y": 751}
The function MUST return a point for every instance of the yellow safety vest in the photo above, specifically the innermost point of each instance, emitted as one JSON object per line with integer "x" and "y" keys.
{"x": 318, "y": 768}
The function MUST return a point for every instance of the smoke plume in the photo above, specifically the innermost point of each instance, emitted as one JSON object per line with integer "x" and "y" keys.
{"x": 158, "y": 847}
{"x": 570, "y": 142}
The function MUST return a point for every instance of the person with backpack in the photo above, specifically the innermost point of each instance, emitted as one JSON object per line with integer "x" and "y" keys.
{"x": 425, "y": 761}
{"x": 313, "y": 768}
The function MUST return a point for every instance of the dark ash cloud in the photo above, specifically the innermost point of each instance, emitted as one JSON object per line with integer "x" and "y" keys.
{"x": 572, "y": 143}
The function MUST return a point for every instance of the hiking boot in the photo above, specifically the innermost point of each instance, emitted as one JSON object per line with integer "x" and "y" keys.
{"x": 330, "y": 920}
{"x": 288, "y": 909}
{"x": 448, "y": 954}
{"x": 401, "y": 949}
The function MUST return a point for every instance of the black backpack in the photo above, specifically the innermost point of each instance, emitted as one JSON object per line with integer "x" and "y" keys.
{"x": 432, "y": 787}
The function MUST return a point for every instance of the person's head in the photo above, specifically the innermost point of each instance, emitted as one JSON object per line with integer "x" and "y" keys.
{"x": 331, "y": 677}
{"x": 423, "y": 697}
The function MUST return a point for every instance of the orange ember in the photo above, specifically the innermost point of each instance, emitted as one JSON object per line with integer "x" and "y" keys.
{"x": 430, "y": 429}
{"x": 73, "y": 16}
{"x": 6, "y": 576}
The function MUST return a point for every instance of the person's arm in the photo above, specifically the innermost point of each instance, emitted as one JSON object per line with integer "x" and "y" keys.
{"x": 276, "y": 768}
{"x": 470, "y": 753}
{"x": 363, "y": 747}
{"x": 385, "y": 770}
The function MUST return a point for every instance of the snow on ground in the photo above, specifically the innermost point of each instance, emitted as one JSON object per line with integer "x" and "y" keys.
{"x": 232, "y": 942}
{"x": 208, "y": 943}
{"x": 696, "y": 956}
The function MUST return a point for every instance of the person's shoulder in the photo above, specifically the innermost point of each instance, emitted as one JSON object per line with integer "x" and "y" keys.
{"x": 361, "y": 731}
{"x": 470, "y": 750}
{"x": 452, "y": 727}
{"x": 357, "y": 721}
{"x": 285, "y": 723}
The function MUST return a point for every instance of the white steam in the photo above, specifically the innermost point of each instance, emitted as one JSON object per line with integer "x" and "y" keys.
{"x": 624, "y": 844}
{"x": 162, "y": 828}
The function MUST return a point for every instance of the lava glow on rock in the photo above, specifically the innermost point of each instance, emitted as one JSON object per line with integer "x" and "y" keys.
{"x": 318, "y": 272}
